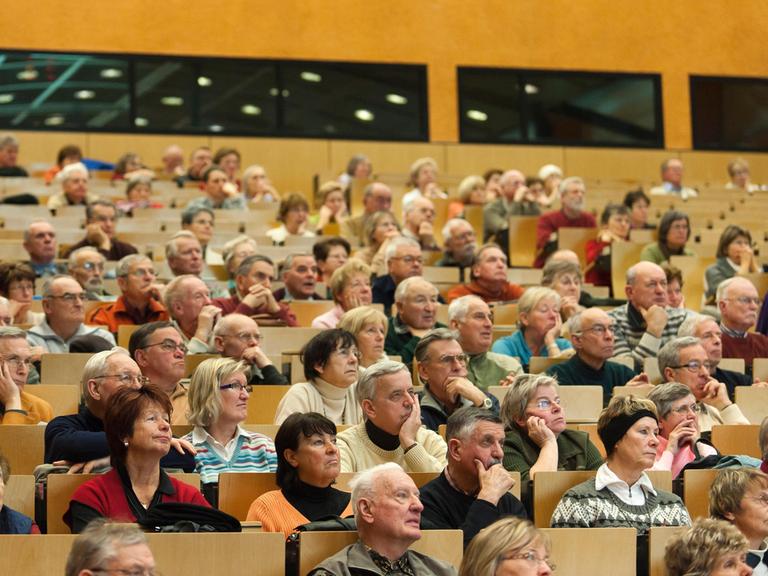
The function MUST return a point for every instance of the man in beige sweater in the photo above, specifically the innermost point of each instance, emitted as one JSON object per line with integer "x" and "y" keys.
{"x": 391, "y": 430}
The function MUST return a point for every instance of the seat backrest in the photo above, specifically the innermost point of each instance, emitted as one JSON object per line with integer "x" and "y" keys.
{"x": 505, "y": 315}
{"x": 591, "y": 429}
{"x": 548, "y": 489}
{"x": 696, "y": 491}
{"x": 522, "y": 240}
{"x": 732, "y": 364}
{"x": 237, "y": 490}
{"x": 576, "y": 239}
{"x": 651, "y": 368}
{"x": 571, "y": 550}
{"x": 23, "y": 446}
{"x": 753, "y": 402}
{"x": 192, "y": 361}
{"x": 539, "y": 364}
{"x": 62, "y": 368}
{"x": 623, "y": 256}
{"x": 314, "y": 547}
{"x": 262, "y": 403}
{"x": 639, "y": 391}
{"x": 657, "y": 542}
{"x": 581, "y": 403}
{"x": 20, "y": 494}
{"x": 419, "y": 478}
{"x": 278, "y": 340}
{"x": 308, "y": 310}
{"x": 760, "y": 368}
{"x": 63, "y": 399}
{"x": 737, "y": 439}
{"x": 62, "y": 486}
{"x": 35, "y": 555}
{"x": 124, "y": 332}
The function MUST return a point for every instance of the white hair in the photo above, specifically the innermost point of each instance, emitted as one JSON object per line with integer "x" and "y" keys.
{"x": 569, "y": 182}
{"x": 405, "y": 285}
{"x": 363, "y": 484}
{"x": 97, "y": 365}
{"x": 396, "y": 243}
{"x": 459, "y": 308}
{"x": 449, "y": 226}
{"x": 550, "y": 170}
{"x": 689, "y": 325}
{"x": 70, "y": 170}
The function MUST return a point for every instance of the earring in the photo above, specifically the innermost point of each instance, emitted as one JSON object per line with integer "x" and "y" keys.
{"x": 126, "y": 443}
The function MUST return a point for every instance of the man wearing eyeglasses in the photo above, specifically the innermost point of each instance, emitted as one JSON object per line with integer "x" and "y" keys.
{"x": 238, "y": 336}
{"x": 86, "y": 265}
{"x": 489, "y": 278}
{"x": 159, "y": 350}
{"x": 78, "y": 440}
{"x": 684, "y": 360}
{"x": 100, "y": 229}
{"x": 739, "y": 304}
{"x": 141, "y": 298}
{"x": 460, "y": 244}
{"x": 592, "y": 335}
{"x": 403, "y": 259}
{"x": 253, "y": 294}
{"x": 63, "y": 305}
{"x": 443, "y": 370}
{"x": 17, "y": 406}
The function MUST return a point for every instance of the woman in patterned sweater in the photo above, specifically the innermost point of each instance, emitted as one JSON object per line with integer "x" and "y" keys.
{"x": 621, "y": 494}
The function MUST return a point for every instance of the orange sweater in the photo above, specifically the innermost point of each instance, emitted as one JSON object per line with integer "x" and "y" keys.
{"x": 37, "y": 411}
{"x": 276, "y": 514}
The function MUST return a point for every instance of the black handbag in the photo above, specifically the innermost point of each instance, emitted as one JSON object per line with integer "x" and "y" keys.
{"x": 183, "y": 517}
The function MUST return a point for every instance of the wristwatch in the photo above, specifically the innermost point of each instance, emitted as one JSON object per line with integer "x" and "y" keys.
{"x": 487, "y": 403}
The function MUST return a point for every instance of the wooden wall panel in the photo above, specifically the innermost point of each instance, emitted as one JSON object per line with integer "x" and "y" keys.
{"x": 477, "y": 158}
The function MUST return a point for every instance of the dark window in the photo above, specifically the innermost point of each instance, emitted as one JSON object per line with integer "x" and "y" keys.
{"x": 729, "y": 113}
{"x": 212, "y": 95}
{"x": 562, "y": 108}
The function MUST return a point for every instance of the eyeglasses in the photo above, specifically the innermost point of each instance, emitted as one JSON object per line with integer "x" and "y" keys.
{"x": 237, "y": 387}
{"x": 143, "y": 272}
{"x": 129, "y": 571}
{"x": 90, "y": 266}
{"x": 763, "y": 499}
{"x": 746, "y": 300}
{"x": 533, "y": 558}
{"x": 70, "y": 297}
{"x": 409, "y": 259}
{"x": 695, "y": 366}
{"x": 682, "y": 410}
{"x": 347, "y": 352}
{"x": 6, "y": 320}
{"x": 168, "y": 345}
{"x": 15, "y": 362}
{"x": 246, "y": 337}
{"x": 599, "y": 329}
{"x": 449, "y": 359}
{"x": 545, "y": 404}
{"x": 127, "y": 378}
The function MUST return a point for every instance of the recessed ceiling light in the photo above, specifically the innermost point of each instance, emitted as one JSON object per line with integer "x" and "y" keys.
{"x": 311, "y": 77}
{"x": 531, "y": 89}
{"x": 6, "y": 98}
{"x": 274, "y": 91}
{"x": 397, "y": 99}
{"x": 286, "y": 93}
{"x": 204, "y": 81}
{"x": 139, "y": 121}
{"x": 216, "y": 127}
{"x": 250, "y": 110}
{"x": 85, "y": 94}
{"x": 478, "y": 115}
{"x": 56, "y": 120}
{"x": 111, "y": 73}
{"x": 364, "y": 115}
{"x": 27, "y": 74}
{"x": 172, "y": 100}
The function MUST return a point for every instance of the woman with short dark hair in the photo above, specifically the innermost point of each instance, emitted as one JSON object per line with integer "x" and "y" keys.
{"x": 294, "y": 215}
{"x": 614, "y": 227}
{"x": 735, "y": 257}
{"x": 138, "y": 429}
{"x": 330, "y": 366}
{"x": 638, "y": 202}
{"x": 674, "y": 233}
{"x": 307, "y": 466}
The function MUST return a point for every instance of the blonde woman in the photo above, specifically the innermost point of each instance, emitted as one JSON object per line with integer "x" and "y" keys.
{"x": 423, "y": 179}
{"x": 369, "y": 327}
{"x": 333, "y": 208}
{"x": 379, "y": 229}
{"x": 471, "y": 192}
{"x": 351, "y": 287}
{"x": 709, "y": 548}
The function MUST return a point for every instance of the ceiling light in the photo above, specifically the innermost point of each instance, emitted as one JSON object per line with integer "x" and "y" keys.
{"x": 27, "y": 74}
{"x": 250, "y": 110}
{"x": 111, "y": 73}
{"x": 204, "y": 81}
{"x": 286, "y": 93}
{"x": 274, "y": 91}
{"x": 311, "y": 77}
{"x": 531, "y": 89}
{"x": 397, "y": 99}
{"x": 139, "y": 121}
{"x": 56, "y": 120}
{"x": 478, "y": 115}
{"x": 364, "y": 115}
{"x": 85, "y": 94}
{"x": 172, "y": 100}
{"x": 6, "y": 98}
{"x": 215, "y": 127}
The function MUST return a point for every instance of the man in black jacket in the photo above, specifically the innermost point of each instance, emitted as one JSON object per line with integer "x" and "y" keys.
{"x": 473, "y": 490}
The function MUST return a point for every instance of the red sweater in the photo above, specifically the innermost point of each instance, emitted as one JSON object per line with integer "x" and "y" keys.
{"x": 549, "y": 224}
{"x": 508, "y": 293}
{"x": 753, "y": 346}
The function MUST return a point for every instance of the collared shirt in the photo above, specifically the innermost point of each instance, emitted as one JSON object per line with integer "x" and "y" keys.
{"x": 399, "y": 566}
{"x": 757, "y": 560}
{"x": 223, "y": 451}
{"x": 731, "y": 332}
{"x": 606, "y": 478}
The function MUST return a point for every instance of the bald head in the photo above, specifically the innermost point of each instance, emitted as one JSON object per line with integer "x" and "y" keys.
{"x": 646, "y": 285}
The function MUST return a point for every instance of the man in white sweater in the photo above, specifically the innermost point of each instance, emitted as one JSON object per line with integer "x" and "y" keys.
{"x": 391, "y": 430}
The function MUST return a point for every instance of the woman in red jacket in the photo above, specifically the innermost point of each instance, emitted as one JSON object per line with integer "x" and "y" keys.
{"x": 138, "y": 429}
{"x": 614, "y": 227}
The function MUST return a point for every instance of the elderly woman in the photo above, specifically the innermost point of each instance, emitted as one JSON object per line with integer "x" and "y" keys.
{"x": 471, "y": 193}
{"x": 423, "y": 180}
{"x": 552, "y": 175}
{"x": 536, "y": 435}
{"x": 675, "y": 296}
{"x": 621, "y": 494}
{"x": 256, "y": 186}
{"x": 138, "y": 194}
{"x": 293, "y": 213}
{"x": 330, "y": 367}
{"x": 307, "y": 466}
{"x": 218, "y": 403}
{"x": 709, "y": 548}
{"x": 74, "y": 188}
{"x": 359, "y": 168}
{"x": 378, "y": 230}
{"x": 739, "y": 496}
{"x": 508, "y": 547}
{"x": 369, "y": 327}
{"x": 200, "y": 221}
{"x": 674, "y": 232}
{"x": 564, "y": 277}
{"x": 538, "y": 328}
{"x": 614, "y": 227}
{"x": 351, "y": 287}
{"x": 738, "y": 172}
{"x": 12, "y": 522}
{"x": 228, "y": 159}
{"x": 735, "y": 257}
{"x": 638, "y": 202}
{"x": 333, "y": 209}
{"x": 17, "y": 283}
{"x": 330, "y": 254}
{"x": 110, "y": 548}
{"x": 138, "y": 429}
{"x": 679, "y": 435}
